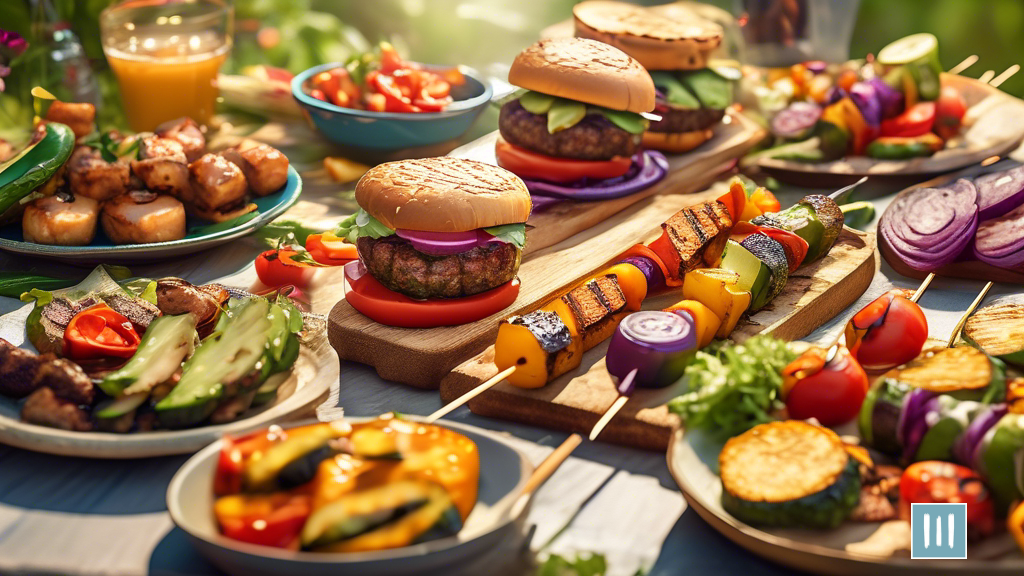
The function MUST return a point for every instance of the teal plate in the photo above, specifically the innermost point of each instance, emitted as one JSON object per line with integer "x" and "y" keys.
{"x": 200, "y": 235}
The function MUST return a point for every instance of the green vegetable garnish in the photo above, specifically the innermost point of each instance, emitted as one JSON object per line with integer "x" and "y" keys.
{"x": 734, "y": 387}
{"x": 564, "y": 113}
{"x": 675, "y": 93}
{"x": 510, "y": 233}
{"x": 362, "y": 224}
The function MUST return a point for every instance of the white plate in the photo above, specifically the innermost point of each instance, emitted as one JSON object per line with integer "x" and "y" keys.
{"x": 315, "y": 372}
{"x": 499, "y": 514}
{"x": 693, "y": 463}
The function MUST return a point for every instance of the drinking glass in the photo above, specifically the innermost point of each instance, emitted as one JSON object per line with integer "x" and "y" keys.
{"x": 166, "y": 55}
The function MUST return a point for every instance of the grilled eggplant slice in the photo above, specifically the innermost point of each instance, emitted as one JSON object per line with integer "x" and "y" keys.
{"x": 998, "y": 330}
{"x": 389, "y": 516}
{"x": 964, "y": 372}
{"x": 831, "y": 217}
{"x": 597, "y": 306}
{"x": 789, "y": 473}
{"x": 772, "y": 255}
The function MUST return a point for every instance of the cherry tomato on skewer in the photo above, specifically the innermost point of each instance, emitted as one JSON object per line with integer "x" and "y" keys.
{"x": 888, "y": 332}
{"x": 828, "y": 385}
{"x": 945, "y": 483}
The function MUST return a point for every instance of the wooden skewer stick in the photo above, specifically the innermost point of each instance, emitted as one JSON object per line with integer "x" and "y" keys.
{"x": 963, "y": 319}
{"x": 967, "y": 63}
{"x": 840, "y": 195}
{"x": 470, "y": 395}
{"x": 551, "y": 463}
{"x": 924, "y": 286}
{"x": 612, "y": 410}
{"x": 1006, "y": 75}
{"x": 987, "y": 76}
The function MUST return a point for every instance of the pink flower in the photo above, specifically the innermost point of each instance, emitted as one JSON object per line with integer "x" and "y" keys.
{"x": 13, "y": 41}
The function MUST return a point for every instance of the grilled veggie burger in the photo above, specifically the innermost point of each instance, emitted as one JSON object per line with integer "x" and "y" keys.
{"x": 576, "y": 130}
{"x": 439, "y": 227}
{"x": 691, "y": 98}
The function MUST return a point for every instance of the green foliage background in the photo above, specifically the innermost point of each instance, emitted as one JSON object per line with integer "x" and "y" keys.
{"x": 482, "y": 32}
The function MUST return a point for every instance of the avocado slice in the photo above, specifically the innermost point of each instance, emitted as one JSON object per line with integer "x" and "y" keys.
{"x": 675, "y": 93}
{"x": 773, "y": 256}
{"x": 754, "y": 274}
{"x": 713, "y": 90}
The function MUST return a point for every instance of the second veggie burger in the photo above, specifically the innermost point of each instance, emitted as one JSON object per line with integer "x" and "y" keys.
{"x": 442, "y": 239}
{"x": 691, "y": 98}
{"x": 576, "y": 131}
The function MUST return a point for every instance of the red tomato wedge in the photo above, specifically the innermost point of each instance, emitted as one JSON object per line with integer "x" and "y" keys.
{"x": 278, "y": 268}
{"x": 100, "y": 332}
{"x": 376, "y": 302}
{"x": 916, "y": 121}
{"x": 527, "y": 164}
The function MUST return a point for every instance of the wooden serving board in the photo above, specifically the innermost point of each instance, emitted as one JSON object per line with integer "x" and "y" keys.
{"x": 565, "y": 242}
{"x": 575, "y": 401}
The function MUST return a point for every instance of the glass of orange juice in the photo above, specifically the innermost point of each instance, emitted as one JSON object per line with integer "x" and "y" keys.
{"x": 166, "y": 55}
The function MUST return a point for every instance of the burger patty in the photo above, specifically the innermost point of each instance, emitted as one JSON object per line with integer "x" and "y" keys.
{"x": 396, "y": 264}
{"x": 676, "y": 120}
{"x": 593, "y": 138}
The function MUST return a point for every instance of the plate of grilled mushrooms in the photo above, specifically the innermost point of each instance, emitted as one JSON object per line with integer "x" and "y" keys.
{"x": 145, "y": 367}
{"x": 74, "y": 193}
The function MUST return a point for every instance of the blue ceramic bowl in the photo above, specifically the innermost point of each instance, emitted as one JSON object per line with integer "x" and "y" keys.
{"x": 392, "y": 131}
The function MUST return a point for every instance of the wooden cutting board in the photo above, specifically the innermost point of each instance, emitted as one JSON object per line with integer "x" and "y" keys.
{"x": 565, "y": 242}
{"x": 575, "y": 401}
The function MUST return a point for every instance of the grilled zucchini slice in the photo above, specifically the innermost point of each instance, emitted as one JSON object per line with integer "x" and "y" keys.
{"x": 789, "y": 473}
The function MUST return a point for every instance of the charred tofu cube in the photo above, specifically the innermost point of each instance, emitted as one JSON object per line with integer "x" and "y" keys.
{"x": 216, "y": 183}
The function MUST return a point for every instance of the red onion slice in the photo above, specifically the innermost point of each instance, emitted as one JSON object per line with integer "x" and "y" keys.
{"x": 932, "y": 227}
{"x": 445, "y": 243}
{"x": 968, "y": 442}
{"x": 649, "y": 166}
{"x": 1000, "y": 241}
{"x": 657, "y": 344}
{"x": 1000, "y": 192}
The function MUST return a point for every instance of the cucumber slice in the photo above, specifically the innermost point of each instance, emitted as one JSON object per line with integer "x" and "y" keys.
{"x": 857, "y": 215}
{"x": 536, "y": 102}
{"x": 267, "y": 391}
{"x": 565, "y": 114}
{"x": 675, "y": 93}
{"x": 754, "y": 274}
{"x": 117, "y": 407}
{"x": 712, "y": 90}
{"x": 167, "y": 342}
{"x": 909, "y": 49}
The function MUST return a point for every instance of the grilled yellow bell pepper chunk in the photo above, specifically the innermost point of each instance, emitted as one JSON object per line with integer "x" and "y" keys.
{"x": 706, "y": 320}
{"x": 717, "y": 289}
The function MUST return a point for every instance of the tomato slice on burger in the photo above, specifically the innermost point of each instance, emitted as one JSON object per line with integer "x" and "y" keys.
{"x": 528, "y": 164}
{"x": 385, "y": 306}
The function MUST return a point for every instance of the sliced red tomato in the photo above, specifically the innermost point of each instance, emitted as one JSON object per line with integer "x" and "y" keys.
{"x": 830, "y": 389}
{"x": 933, "y": 482}
{"x": 395, "y": 101}
{"x": 283, "y": 267}
{"x": 331, "y": 250}
{"x": 528, "y": 164}
{"x": 379, "y": 304}
{"x": 949, "y": 112}
{"x": 889, "y": 331}
{"x": 100, "y": 332}
{"x": 916, "y": 121}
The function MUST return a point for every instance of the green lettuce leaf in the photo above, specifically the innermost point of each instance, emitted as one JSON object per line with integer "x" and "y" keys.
{"x": 563, "y": 113}
{"x": 510, "y": 233}
{"x": 361, "y": 224}
{"x": 675, "y": 93}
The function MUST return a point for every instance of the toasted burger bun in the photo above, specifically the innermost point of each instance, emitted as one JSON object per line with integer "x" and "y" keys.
{"x": 658, "y": 42}
{"x": 586, "y": 71}
{"x": 675, "y": 142}
{"x": 443, "y": 194}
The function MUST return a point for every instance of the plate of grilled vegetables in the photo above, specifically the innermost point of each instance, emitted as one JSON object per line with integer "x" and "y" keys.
{"x": 142, "y": 367}
{"x": 804, "y": 459}
{"x": 74, "y": 193}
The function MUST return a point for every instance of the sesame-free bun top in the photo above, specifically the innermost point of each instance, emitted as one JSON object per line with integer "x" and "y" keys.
{"x": 658, "y": 39}
{"x": 586, "y": 71}
{"x": 443, "y": 194}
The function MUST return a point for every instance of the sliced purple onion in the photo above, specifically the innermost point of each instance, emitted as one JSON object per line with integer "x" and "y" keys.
{"x": 918, "y": 423}
{"x": 833, "y": 95}
{"x": 915, "y": 406}
{"x": 796, "y": 121}
{"x": 890, "y": 99}
{"x": 932, "y": 227}
{"x": 1000, "y": 241}
{"x": 649, "y": 166}
{"x": 816, "y": 66}
{"x": 1000, "y": 192}
{"x": 971, "y": 438}
{"x": 658, "y": 344}
{"x": 652, "y": 272}
{"x": 445, "y": 243}
{"x": 865, "y": 97}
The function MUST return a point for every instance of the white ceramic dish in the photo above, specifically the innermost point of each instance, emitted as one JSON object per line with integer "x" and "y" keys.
{"x": 499, "y": 514}
{"x": 315, "y": 372}
{"x": 693, "y": 463}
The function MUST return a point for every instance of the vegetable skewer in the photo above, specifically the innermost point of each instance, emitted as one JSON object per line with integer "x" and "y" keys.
{"x": 963, "y": 319}
{"x": 470, "y": 395}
